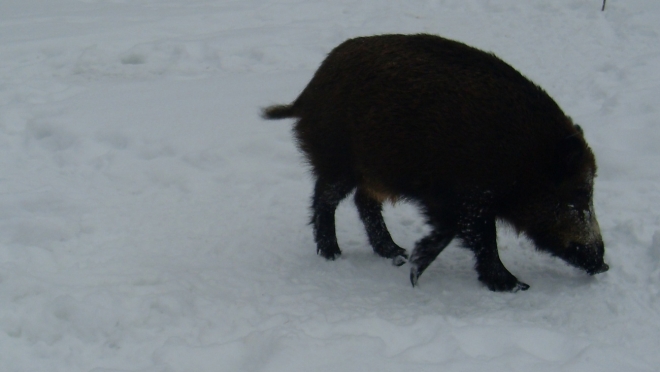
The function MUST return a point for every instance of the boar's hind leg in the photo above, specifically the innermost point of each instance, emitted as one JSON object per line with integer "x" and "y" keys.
{"x": 380, "y": 239}
{"x": 327, "y": 196}
{"x": 480, "y": 236}
{"x": 426, "y": 250}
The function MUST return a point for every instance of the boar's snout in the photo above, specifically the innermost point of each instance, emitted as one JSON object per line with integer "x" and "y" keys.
{"x": 588, "y": 257}
{"x": 603, "y": 268}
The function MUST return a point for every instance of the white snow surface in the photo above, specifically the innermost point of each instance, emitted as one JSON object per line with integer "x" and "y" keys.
{"x": 150, "y": 220}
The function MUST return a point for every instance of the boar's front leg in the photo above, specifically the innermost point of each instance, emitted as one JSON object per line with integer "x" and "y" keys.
{"x": 426, "y": 250}
{"x": 479, "y": 234}
{"x": 370, "y": 212}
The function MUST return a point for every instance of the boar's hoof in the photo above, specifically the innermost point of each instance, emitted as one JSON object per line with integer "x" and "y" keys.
{"x": 329, "y": 253}
{"x": 501, "y": 287}
{"x": 414, "y": 276}
{"x": 504, "y": 283}
{"x": 521, "y": 287}
{"x": 398, "y": 255}
{"x": 400, "y": 260}
{"x": 415, "y": 272}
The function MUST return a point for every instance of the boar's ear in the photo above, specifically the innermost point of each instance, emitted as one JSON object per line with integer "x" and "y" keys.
{"x": 571, "y": 150}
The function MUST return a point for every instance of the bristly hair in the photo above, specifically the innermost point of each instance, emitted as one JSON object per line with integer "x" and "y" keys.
{"x": 278, "y": 112}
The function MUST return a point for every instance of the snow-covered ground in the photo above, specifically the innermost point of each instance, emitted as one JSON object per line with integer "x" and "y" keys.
{"x": 151, "y": 221}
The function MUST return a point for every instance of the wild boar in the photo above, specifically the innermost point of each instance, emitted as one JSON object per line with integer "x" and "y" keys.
{"x": 456, "y": 131}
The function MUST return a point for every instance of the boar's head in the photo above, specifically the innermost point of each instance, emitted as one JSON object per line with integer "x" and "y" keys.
{"x": 561, "y": 219}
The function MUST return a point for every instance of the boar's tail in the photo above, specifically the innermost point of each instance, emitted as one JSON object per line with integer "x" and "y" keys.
{"x": 278, "y": 112}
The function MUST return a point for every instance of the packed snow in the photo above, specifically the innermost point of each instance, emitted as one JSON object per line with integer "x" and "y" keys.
{"x": 151, "y": 221}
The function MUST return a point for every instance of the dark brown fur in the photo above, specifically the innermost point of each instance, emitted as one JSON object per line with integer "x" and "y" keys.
{"x": 455, "y": 130}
